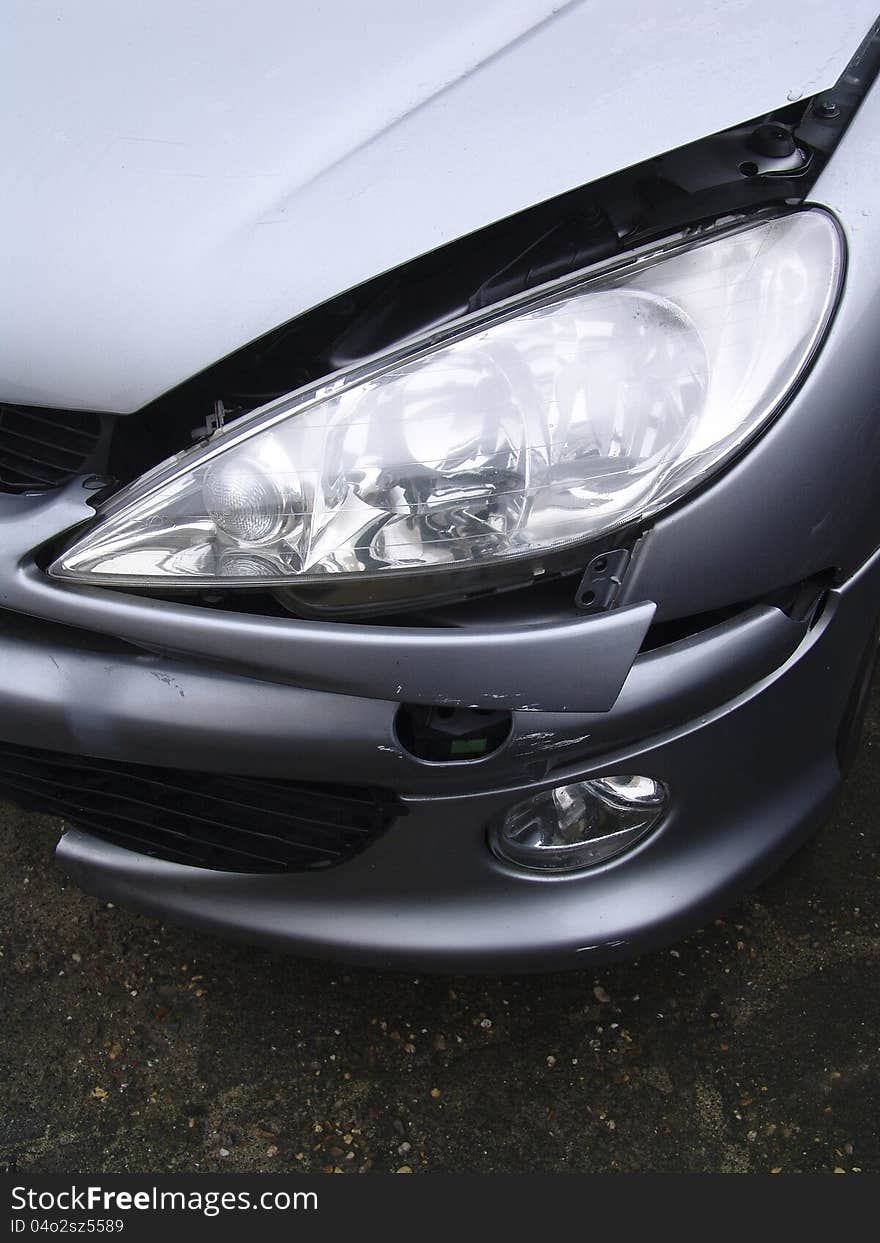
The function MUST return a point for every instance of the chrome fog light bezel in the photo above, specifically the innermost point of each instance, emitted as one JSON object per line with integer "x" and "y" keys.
{"x": 619, "y": 812}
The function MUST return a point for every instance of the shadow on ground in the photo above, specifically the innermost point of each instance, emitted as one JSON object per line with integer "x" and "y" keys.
{"x": 752, "y": 1046}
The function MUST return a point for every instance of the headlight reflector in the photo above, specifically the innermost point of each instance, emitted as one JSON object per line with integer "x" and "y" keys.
{"x": 547, "y": 421}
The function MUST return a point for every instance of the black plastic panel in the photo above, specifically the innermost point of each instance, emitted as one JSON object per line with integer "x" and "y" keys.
{"x": 226, "y": 823}
{"x": 45, "y": 448}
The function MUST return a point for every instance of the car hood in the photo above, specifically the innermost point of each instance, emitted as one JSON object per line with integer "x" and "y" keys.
{"x": 182, "y": 178}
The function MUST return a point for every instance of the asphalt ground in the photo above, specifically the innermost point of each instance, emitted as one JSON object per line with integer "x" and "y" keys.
{"x": 130, "y": 1046}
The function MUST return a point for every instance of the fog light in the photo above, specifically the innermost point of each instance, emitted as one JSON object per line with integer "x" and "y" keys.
{"x": 579, "y": 825}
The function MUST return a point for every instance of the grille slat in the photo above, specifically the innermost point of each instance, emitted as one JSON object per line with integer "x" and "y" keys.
{"x": 60, "y": 450}
{"x": 14, "y": 474}
{"x": 222, "y": 822}
{"x": 38, "y": 450}
{"x": 130, "y": 841}
{"x": 57, "y": 425}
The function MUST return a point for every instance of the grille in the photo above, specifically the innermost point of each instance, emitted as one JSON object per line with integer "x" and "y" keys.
{"x": 45, "y": 448}
{"x": 230, "y": 824}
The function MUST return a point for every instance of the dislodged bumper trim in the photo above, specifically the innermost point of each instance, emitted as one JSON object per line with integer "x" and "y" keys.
{"x": 154, "y": 709}
{"x": 573, "y": 665}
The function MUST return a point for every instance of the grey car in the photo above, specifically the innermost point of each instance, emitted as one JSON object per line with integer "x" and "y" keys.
{"x": 438, "y": 461}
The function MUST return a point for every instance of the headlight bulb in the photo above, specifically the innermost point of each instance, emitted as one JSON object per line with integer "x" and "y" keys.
{"x": 242, "y": 501}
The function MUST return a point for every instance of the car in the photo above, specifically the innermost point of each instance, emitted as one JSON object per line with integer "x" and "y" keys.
{"x": 439, "y": 450}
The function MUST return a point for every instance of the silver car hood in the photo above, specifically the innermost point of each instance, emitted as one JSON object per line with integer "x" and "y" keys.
{"x": 183, "y": 176}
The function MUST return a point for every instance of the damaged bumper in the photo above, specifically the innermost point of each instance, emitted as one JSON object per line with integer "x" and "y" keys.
{"x": 747, "y": 722}
{"x": 752, "y": 755}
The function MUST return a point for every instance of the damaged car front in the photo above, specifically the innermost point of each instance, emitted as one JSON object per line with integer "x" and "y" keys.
{"x": 438, "y": 470}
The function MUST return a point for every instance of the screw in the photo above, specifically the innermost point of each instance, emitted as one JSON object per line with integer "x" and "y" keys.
{"x": 826, "y": 108}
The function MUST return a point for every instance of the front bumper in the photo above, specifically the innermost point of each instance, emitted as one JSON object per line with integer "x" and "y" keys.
{"x": 747, "y": 724}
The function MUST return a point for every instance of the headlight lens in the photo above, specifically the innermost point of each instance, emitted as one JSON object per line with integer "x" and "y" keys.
{"x": 550, "y": 420}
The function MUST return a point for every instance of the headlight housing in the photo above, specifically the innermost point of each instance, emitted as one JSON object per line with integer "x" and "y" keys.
{"x": 548, "y": 421}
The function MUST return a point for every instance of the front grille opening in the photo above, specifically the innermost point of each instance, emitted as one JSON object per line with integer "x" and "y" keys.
{"x": 205, "y": 820}
{"x": 42, "y": 449}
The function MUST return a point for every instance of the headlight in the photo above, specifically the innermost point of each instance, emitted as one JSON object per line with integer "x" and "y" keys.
{"x": 552, "y": 419}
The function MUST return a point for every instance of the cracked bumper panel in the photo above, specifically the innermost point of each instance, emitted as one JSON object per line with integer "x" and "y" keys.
{"x": 750, "y": 779}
